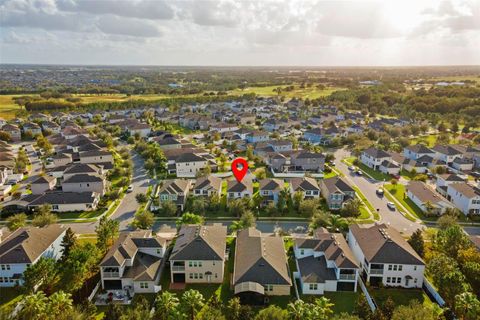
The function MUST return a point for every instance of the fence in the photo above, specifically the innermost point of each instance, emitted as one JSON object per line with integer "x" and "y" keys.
{"x": 427, "y": 286}
{"x": 94, "y": 291}
{"x": 371, "y": 302}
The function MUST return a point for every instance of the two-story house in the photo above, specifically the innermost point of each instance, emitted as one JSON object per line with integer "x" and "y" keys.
{"x": 257, "y": 136}
{"x": 307, "y": 186}
{"x": 336, "y": 192}
{"x": 208, "y": 186}
{"x": 238, "y": 190}
{"x": 189, "y": 164}
{"x": 385, "y": 257}
{"x": 43, "y": 184}
{"x": 175, "y": 191}
{"x": 325, "y": 263}
{"x": 444, "y": 180}
{"x": 13, "y": 130}
{"x": 85, "y": 183}
{"x": 446, "y": 153}
{"x": 63, "y": 201}
{"x": 24, "y": 247}
{"x": 270, "y": 190}
{"x": 199, "y": 254}
{"x": 465, "y": 197}
{"x": 308, "y": 161}
{"x": 373, "y": 157}
{"x": 96, "y": 157}
{"x": 260, "y": 267}
{"x": 416, "y": 151}
{"x": 133, "y": 263}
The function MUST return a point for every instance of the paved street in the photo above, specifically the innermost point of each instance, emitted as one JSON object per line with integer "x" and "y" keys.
{"x": 128, "y": 206}
{"x": 368, "y": 188}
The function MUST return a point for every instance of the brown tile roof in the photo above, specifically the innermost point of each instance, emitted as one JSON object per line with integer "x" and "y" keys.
{"x": 383, "y": 244}
{"x": 260, "y": 258}
{"x": 196, "y": 242}
{"x": 26, "y": 245}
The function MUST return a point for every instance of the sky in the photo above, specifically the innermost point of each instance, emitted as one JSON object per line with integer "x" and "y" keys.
{"x": 240, "y": 33}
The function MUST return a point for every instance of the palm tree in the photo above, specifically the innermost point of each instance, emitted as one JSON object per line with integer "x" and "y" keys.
{"x": 467, "y": 306}
{"x": 429, "y": 208}
{"x": 60, "y": 303}
{"x": 34, "y": 306}
{"x": 165, "y": 305}
{"x": 297, "y": 310}
{"x": 337, "y": 223}
{"x": 322, "y": 309}
{"x": 192, "y": 301}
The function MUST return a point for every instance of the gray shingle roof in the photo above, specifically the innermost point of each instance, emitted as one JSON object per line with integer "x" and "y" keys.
{"x": 196, "y": 242}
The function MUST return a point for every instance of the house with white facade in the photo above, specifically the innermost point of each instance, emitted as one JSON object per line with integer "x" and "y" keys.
{"x": 336, "y": 192}
{"x": 43, "y": 184}
{"x": 85, "y": 183}
{"x": 133, "y": 263}
{"x": 208, "y": 186}
{"x": 238, "y": 190}
{"x": 325, "y": 263}
{"x": 446, "y": 153}
{"x": 373, "y": 157}
{"x": 413, "y": 152}
{"x": 426, "y": 199}
{"x": 465, "y": 197}
{"x": 189, "y": 164}
{"x": 24, "y": 247}
{"x": 385, "y": 257}
{"x": 63, "y": 201}
{"x": 444, "y": 180}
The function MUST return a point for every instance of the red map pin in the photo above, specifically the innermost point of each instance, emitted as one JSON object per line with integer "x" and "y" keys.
{"x": 239, "y": 173}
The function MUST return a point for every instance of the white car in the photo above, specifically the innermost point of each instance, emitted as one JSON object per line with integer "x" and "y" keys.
{"x": 391, "y": 205}
{"x": 130, "y": 188}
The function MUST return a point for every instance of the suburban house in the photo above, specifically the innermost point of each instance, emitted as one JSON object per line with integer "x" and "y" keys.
{"x": 64, "y": 201}
{"x": 175, "y": 191}
{"x": 385, "y": 257}
{"x": 307, "y": 186}
{"x": 410, "y": 165}
{"x": 261, "y": 267}
{"x": 308, "y": 161}
{"x": 62, "y": 159}
{"x": 426, "y": 199}
{"x": 224, "y": 127}
{"x": 168, "y": 143}
{"x": 43, "y": 184}
{"x": 189, "y": 164}
{"x": 416, "y": 151}
{"x": 465, "y": 197}
{"x": 133, "y": 263}
{"x": 373, "y": 157}
{"x": 446, "y": 153}
{"x": 96, "y": 157}
{"x": 24, "y": 247}
{"x": 462, "y": 164}
{"x": 84, "y": 183}
{"x": 32, "y": 128}
{"x": 336, "y": 192}
{"x": 270, "y": 190}
{"x": 13, "y": 130}
{"x": 51, "y": 126}
{"x": 273, "y": 125}
{"x": 208, "y": 186}
{"x": 238, "y": 190}
{"x": 199, "y": 254}
{"x": 444, "y": 180}
{"x": 325, "y": 263}
{"x": 257, "y": 136}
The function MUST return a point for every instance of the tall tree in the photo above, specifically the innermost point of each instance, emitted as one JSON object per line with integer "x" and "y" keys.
{"x": 467, "y": 306}
{"x": 44, "y": 216}
{"x": 16, "y": 221}
{"x": 107, "y": 231}
{"x": 44, "y": 274}
{"x": 144, "y": 219}
{"x": 68, "y": 242}
{"x": 189, "y": 218}
{"x": 192, "y": 301}
{"x": 417, "y": 242}
{"x": 166, "y": 306}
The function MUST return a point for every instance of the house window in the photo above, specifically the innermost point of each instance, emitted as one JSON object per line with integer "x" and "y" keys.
{"x": 415, "y": 280}
{"x": 394, "y": 267}
{"x": 313, "y": 286}
{"x": 190, "y": 264}
{"x": 269, "y": 287}
{"x": 55, "y": 207}
{"x": 389, "y": 279}
{"x": 159, "y": 251}
{"x": 5, "y": 267}
{"x": 143, "y": 285}
{"x": 190, "y": 276}
{"x": 414, "y": 267}
{"x": 302, "y": 252}
{"x": 195, "y": 275}
{"x": 390, "y": 267}
{"x": 200, "y": 275}
{"x": 393, "y": 280}
{"x": 216, "y": 276}
{"x": 400, "y": 267}
{"x": 200, "y": 264}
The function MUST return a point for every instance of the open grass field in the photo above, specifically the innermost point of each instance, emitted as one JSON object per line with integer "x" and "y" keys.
{"x": 8, "y": 107}
{"x": 310, "y": 92}
{"x": 459, "y": 78}
{"x": 399, "y": 296}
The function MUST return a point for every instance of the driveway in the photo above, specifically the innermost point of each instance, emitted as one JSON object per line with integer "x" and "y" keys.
{"x": 126, "y": 210}
{"x": 368, "y": 188}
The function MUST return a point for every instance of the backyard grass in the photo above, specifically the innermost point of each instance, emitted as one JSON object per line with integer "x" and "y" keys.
{"x": 399, "y": 296}
{"x": 9, "y": 297}
{"x": 330, "y": 174}
{"x": 407, "y": 175}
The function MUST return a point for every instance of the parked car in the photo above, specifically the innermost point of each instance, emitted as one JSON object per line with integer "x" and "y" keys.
{"x": 130, "y": 188}
{"x": 332, "y": 163}
{"x": 359, "y": 172}
{"x": 351, "y": 168}
{"x": 391, "y": 206}
{"x": 396, "y": 176}
{"x": 380, "y": 191}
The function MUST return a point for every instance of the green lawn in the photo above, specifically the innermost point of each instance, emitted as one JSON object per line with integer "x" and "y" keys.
{"x": 376, "y": 216}
{"x": 309, "y": 92}
{"x": 9, "y": 297}
{"x": 330, "y": 175}
{"x": 407, "y": 175}
{"x": 399, "y": 193}
{"x": 399, "y": 296}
